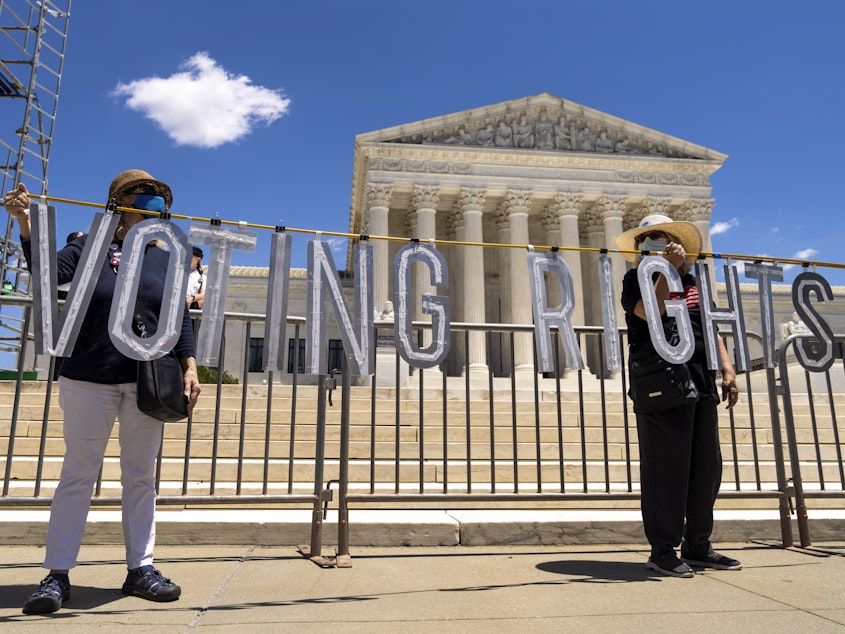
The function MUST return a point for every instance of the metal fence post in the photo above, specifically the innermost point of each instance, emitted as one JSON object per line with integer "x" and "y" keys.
{"x": 344, "y": 559}
{"x": 315, "y": 549}
{"x": 789, "y": 419}
{"x": 780, "y": 465}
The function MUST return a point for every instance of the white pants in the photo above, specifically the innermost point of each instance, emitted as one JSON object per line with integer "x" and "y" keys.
{"x": 89, "y": 413}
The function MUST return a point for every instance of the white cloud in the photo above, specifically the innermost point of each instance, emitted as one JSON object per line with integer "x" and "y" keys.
{"x": 204, "y": 105}
{"x": 804, "y": 254}
{"x": 723, "y": 227}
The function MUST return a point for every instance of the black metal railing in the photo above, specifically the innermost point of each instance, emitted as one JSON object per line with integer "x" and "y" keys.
{"x": 814, "y": 443}
{"x": 458, "y": 436}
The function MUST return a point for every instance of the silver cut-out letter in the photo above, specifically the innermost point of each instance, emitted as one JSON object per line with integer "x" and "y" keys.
{"x": 765, "y": 274}
{"x": 56, "y": 334}
{"x": 434, "y": 305}
{"x": 357, "y": 334}
{"x": 222, "y": 241}
{"x": 804, "y": 285}
{"x": 127, "y": 288}
{"x": 608, "y": 313}
{"x": 276, "y": 321}
{"x": 710, "y": 317}
{"x": 674, "y": 308}
{"x": 545, "y": 316}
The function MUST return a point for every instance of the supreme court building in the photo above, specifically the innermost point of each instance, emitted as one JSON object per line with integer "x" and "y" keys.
{"x": 539, "y": 170}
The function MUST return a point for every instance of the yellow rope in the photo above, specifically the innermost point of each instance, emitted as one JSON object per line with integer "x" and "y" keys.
{"x": 355, "y": 236}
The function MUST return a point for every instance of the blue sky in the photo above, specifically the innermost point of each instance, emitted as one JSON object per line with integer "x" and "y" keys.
{"x": 290, "y": 84}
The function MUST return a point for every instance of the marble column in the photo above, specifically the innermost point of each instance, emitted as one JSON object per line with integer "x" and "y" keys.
{"x": 698, "y": 211}
{"x": 470, "y": 205}
{"x": 378, "y": 204}
{"x": 649, "y": 206}
{"x": 560, "y": 220}
{"x": 517, "y": 204}
{"x": 656, "y": 205}
{"x": 612, "y": 217}
{"x": 455, "y": 261}
{"x": 591, "y": 224}
{"x": 504, "y": 308}
{"x": 613, "y": 213}
{"x": 551, "y": 230}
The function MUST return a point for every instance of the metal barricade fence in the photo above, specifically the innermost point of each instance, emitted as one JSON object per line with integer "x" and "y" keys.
{"x": 813, "y": 404}
{"x": 444, "y": 437}
{"x": 243, "y": 444}
{"x": 565, "y": 440}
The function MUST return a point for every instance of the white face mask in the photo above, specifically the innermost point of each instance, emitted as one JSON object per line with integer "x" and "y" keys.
{"x": 650, "y": 244}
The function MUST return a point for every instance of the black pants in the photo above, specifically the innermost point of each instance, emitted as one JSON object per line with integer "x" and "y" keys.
{"x": 680, "y": 473}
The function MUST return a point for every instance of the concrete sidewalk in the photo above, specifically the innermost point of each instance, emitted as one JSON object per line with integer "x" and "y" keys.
{"x": 440, "y": 589}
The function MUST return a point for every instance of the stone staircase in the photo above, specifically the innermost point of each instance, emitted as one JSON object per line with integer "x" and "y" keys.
{"x": 416, "y": 443}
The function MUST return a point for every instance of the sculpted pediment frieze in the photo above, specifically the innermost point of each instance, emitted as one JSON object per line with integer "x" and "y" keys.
{"x": 546, "y": 123}
{"x": 543, "y": 130}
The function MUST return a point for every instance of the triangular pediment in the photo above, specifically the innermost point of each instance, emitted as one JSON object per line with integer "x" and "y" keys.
{"x": 542, "y": 123}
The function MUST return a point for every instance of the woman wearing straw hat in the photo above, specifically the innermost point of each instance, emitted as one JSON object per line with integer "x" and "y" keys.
{"x": 97, "y": 384}
{"x": 680, "y": 457}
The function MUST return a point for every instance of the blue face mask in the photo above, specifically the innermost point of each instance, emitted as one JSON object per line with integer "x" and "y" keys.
{"x": 650, "y": 244}
{"x": 149, "y": 203}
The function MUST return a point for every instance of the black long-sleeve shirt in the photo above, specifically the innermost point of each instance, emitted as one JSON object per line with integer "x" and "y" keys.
{"x": 94, "y": 357}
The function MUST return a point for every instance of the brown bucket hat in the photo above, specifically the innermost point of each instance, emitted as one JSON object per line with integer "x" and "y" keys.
{"x": 132, "y": 178}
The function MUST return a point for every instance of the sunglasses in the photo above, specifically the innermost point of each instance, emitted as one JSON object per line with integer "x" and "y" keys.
{"x": 138, "y": 190}
{"x": 655, "y": 235}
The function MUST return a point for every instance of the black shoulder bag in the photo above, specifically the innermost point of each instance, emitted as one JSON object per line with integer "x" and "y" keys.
{"x": 658, "y": 385}
{"x": 161, "y": 384}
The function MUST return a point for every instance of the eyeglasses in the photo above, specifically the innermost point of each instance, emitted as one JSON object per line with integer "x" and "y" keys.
{"x": 655, "y": 235}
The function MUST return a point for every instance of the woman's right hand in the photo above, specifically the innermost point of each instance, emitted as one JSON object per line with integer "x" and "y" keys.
{"x": 17, "y": 204}
{"x": 675, "y": 253}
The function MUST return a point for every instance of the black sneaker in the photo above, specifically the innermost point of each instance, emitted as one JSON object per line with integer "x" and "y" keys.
{"x": 149, "y": 583}
{"x": 49, "y": 596}
{"x": 713, "y": 560}
{"x": 672, "y": 568}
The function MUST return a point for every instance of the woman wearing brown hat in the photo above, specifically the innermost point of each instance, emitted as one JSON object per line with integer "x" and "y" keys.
{"x": 98, "y": 384}
{"x": 680, "y": 457}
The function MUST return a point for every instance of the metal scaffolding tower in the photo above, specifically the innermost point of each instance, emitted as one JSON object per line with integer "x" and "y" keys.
{"x": 33, "y": 35}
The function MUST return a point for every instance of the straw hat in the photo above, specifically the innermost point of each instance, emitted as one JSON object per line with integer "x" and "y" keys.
{"x": 132, "y": 178}
{"x": 685, "y": 233}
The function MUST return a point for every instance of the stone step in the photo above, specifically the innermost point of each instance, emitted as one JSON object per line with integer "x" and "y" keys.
{"x": 360, "y": 449}
{"x": 547, "y": 403}
{"x": 823, "y": 432}
{"x": 385, "y": 438}
{"x": 32, "y": 409}
{"x": 383, "y": 471}
{"x": 589, "y": 388}
{"x": 547, "y": 392}
{"x": 25, "y": 467}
